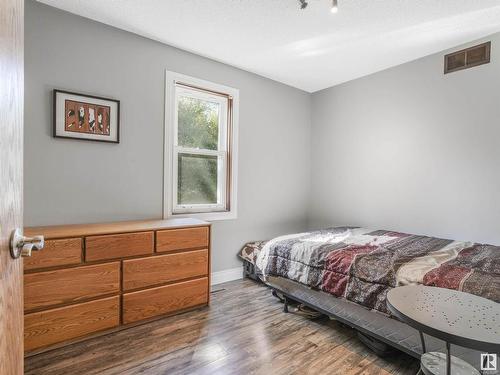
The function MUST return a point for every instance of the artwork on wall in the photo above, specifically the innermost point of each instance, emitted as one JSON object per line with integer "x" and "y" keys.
{"x": 86, "y": 117}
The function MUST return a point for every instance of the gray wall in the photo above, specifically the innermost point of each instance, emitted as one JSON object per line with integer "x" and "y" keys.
{"x": 70, "y": 181}
{"x": 411, "y": 149}
{"x": 407, "y": 149}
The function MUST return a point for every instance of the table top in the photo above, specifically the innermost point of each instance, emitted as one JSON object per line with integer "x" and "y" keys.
{"x": 456, "y": 317}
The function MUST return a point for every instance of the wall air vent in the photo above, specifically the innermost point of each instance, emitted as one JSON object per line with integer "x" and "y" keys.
{"x": 467, "y": 58}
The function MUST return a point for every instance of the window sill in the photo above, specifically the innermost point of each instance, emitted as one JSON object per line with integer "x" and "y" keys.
{"x": 207, "y": 216}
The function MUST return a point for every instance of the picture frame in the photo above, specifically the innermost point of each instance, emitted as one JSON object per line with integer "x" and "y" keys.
{"x": 85, "y": 117}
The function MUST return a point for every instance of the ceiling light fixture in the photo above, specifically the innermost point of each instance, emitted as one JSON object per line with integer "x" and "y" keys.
{"x": 334, "y": 9}
{"x": 335, "y": 6}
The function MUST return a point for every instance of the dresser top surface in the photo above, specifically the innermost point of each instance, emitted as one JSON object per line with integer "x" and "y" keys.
{"x": 80, "y": 230}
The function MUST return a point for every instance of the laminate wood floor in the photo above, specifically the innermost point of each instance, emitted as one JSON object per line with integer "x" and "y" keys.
{"x": 244, "y": 331}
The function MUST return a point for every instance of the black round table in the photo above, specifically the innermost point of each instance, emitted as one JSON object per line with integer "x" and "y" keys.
{"x": 455, "y": 317}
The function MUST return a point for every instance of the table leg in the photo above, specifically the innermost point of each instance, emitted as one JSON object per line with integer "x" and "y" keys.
{"x": 422, "y": 341}
{"x": 448, "y": 359}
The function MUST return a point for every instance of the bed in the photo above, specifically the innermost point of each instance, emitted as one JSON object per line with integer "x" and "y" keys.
{"x": 346, "y": 272}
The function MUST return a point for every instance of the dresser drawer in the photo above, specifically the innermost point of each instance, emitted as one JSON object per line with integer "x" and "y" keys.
{"x": 118, "y": 245}
{"x": 50, "y": 288}
{"x": 55, "y": 253}
{"x": 139, "y": 273}
{"x": 66, "y": 323}
{"x": 165, "y": 299}
{"x": 177, "y": 239}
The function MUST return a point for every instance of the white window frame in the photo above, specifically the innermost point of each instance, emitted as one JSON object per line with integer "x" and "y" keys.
{"x": 227, "y": 178}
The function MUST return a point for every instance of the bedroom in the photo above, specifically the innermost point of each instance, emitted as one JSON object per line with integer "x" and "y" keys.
{"x": 306, "y": 120}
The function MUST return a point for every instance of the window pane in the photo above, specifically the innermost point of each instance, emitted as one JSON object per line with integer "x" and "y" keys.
{"x": 198, "y": 125}
{"x": 197, "y": 179}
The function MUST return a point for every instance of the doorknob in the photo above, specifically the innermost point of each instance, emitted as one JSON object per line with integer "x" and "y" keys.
{"x": 23, "y": 246}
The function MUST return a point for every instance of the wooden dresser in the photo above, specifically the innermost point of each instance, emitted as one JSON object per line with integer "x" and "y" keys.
{"x": 98, "y": 278}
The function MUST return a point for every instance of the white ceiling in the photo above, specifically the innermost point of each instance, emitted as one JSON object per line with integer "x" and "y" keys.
{"x": 310, "y": 49}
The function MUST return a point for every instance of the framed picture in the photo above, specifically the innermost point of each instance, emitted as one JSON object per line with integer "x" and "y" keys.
{"x": 86, "y": 117}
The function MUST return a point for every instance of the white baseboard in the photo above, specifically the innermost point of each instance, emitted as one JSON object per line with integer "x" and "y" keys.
{"x": 223, "y": 276}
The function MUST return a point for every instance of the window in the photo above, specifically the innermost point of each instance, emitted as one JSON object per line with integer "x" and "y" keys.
{"x": 200, "y": 162}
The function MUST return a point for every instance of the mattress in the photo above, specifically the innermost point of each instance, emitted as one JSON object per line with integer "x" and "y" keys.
{"x": 361, "y": 265}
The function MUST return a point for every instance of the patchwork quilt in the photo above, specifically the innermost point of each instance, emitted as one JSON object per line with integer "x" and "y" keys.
{"x": 362, "y": 265}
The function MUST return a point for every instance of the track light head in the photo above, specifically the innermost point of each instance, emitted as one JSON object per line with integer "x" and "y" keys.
{"x": 335, "y": 6}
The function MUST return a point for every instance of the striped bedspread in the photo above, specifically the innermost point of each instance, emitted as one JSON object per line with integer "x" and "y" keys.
{"x": 362, "y": 265}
